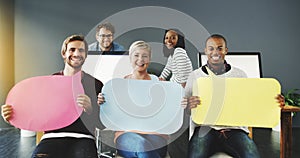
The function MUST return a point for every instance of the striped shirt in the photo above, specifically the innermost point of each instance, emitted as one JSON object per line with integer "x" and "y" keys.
{"x": 179, "y": 65}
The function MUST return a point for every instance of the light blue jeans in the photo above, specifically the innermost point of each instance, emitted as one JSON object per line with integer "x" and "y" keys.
{"x": 134, "y": 145}
{"x": 235, "y": 142}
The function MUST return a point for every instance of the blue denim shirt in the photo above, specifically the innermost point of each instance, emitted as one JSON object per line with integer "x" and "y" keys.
{"x": 116, "y": 47}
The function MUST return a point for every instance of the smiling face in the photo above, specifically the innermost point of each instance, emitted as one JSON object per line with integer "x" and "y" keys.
{"x": 75, "y": 54}
{"x": 215, "y": 50}
{"x": 171, "y": 39}
{"x": 105, "y": 39}
{"x": 140, "y": 59}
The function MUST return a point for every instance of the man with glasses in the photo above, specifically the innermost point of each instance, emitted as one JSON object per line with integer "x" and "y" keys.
{"x": 104, "y": 35}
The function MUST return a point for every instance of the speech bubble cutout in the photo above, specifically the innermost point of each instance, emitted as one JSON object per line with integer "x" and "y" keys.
{"x": 45, "y": 102}
{"x": 237, "y": 101}
{"x": 143, "y": 105}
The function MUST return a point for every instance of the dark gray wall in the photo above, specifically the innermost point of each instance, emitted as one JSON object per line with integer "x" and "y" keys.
{"x": 270, "y": 27}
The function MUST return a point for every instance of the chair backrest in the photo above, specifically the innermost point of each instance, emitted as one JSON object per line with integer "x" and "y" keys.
{"x": 105, "y": 66}
{"x": 250, "y": 62}
{"x": 39, "y": 137}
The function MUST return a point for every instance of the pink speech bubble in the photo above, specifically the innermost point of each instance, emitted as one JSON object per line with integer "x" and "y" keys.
{"x": 45, "y": 102}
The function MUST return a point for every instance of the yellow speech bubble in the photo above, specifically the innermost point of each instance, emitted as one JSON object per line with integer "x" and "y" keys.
{"x": 237, "y": 101}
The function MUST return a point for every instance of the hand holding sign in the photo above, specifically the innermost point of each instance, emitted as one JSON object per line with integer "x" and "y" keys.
{"x": 45, "y": 102}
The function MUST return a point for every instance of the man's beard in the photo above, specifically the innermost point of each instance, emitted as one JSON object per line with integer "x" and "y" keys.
{"x": 75, "y": 66}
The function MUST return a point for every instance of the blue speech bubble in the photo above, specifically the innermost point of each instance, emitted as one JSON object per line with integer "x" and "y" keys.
{"x": 143, "y": 105}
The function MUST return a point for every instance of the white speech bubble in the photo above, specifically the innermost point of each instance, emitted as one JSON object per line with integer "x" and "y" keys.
{"x": 143, "y": 105}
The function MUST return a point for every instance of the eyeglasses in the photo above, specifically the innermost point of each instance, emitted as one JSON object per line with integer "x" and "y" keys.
{"x": 103, "y": 35}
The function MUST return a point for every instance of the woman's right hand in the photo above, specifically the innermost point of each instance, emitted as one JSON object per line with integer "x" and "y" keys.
{"x": 7, "y": 112}
{"x": 101, "y": 99}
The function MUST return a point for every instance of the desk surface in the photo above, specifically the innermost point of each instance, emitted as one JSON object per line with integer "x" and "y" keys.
{"x": 289, "y": 108}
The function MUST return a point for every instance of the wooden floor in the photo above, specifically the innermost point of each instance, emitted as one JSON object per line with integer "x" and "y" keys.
{"x": 14, "y": 146}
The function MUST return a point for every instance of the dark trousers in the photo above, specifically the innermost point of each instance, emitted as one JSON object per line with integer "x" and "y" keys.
{"x": 179, "y": 147}
{"x": 234, "y": 142}
{"x": 66, "y": 148}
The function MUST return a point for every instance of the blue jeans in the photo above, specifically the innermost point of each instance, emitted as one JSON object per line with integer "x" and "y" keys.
{"x": 134, "y": 145}
{"x": 234, "y": 142}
